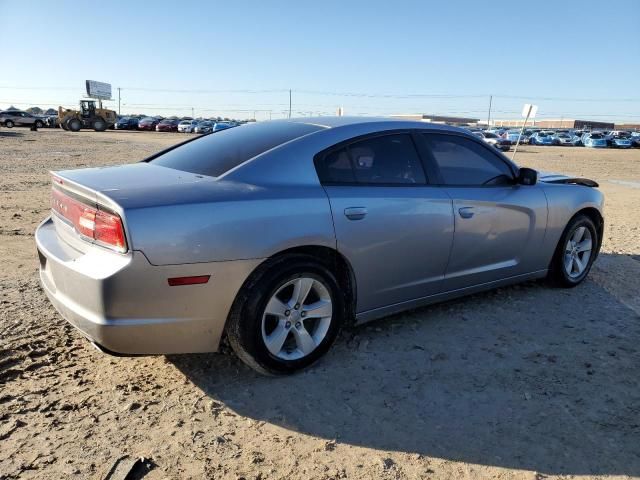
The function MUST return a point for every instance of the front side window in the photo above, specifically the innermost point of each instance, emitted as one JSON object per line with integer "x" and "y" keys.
{"x": 382, "y": 160}
{"x": 463, "y": 161}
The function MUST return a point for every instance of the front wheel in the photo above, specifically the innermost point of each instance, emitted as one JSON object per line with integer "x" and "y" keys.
{"x": 287, "y": 316}
{"x": 39, "y": 124}
{"x": 74, "y": 125}
{"x": 575, "y": 253}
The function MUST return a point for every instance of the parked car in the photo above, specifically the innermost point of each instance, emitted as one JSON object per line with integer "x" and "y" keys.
{"x": 168, "y": 125}
{"x": 187, "y": 126}
{"x": 18, "y": 118}
{"x": 576, "y": 139}
{"x": 494, "y": 140}
{"x": 203, "y": 127}
{"x": 126, "y": 123}
{"x": 562, "y": 138}
{"x": 51, "y": 121}
{"x": 222, "y": 126}
{"x": 166, "y": 257}
{"x": 635, "y": 139}
{"x": 541, "y": 138}
{"x": 513, "y": 135}
{"x": 594, "y": 140}
{"x": 148, "y": 123}
{"x": 620, "y": 140}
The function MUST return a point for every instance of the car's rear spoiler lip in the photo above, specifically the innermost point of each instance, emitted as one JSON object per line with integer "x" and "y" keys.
{"x": 61, "y": 181}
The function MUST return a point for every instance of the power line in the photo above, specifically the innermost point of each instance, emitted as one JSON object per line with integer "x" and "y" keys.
{"x": 348, "y": 94}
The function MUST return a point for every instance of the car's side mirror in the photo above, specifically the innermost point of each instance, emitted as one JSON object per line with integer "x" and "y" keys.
{"x": 527, "y": 176}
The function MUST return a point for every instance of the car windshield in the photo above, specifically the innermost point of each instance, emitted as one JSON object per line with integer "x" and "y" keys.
{"x": 490, "y": 135}
{"x": 185, "y": 122}
{"x": 218, "y": 153}
{"x": 124, "y": 119}
{"x": 563, "y": 135}
{"x": 596, "y": 135}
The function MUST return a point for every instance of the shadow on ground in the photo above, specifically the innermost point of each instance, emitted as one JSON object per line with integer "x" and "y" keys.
{"x": 5, "y": 133}
{"x": 525, "y": 377}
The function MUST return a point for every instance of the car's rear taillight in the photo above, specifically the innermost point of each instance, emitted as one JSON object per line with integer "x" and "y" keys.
{"x": 90, "y": 221}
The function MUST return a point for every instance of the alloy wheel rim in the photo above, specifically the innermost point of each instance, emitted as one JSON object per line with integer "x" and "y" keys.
{"x": 577, "y": 252}
{"x": 297, "y": 318}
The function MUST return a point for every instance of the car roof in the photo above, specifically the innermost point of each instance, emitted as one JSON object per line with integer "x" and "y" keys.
{"x": 381, "y": 122}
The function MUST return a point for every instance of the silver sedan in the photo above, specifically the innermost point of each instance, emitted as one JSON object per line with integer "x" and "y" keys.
{"x": 277, "y": 234}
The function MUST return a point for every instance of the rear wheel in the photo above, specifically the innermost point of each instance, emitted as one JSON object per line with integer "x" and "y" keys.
{"x": 99, "y": 125}
{"x": 74, "y": 124}
{"x": 575, "y": 253}
{"x": 9, "y": 124}
{"x": 287, "y": 316}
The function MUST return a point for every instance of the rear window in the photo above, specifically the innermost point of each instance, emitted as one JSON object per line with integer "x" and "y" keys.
{"x": 219, "y": 152}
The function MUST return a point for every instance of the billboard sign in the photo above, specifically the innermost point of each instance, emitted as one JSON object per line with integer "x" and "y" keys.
{"x": 98, "y": 90}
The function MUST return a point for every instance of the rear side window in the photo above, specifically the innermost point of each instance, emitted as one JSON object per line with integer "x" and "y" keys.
{"x": 219, "y": 152}
{"x": 462, "y": 161}
{"x": 383, "y": 160}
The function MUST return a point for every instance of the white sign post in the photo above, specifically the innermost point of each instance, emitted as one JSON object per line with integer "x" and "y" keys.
{"x": 528, "y": 111}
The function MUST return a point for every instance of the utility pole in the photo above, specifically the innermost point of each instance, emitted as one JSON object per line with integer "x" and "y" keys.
{"x": 489, "y": 116}
{"x": 118, "y": 100}
{"x": 289, "y": 103}
{"x": 192, "y": 115}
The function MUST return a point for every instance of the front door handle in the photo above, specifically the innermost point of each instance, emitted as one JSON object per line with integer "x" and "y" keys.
{"x": 355, "y": 213}
{"x": 466, "y": 212}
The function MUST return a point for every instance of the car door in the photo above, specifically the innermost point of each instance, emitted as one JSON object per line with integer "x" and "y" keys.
{"x": 26, "y": 119}
{"x": 499, "y": 224}
{"x": 392, "y": 226}
{"x": 16, "y": 117}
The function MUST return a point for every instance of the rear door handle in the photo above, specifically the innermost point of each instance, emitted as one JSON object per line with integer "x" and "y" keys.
{"x": 466, "y": 212}
{"x": 355, "y": 213}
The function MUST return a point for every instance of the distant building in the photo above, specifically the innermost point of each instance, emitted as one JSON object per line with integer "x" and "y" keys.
{"x": 633, "y": 127}
{"x": 558, "y": 123}
{"x": 439, "y": 119}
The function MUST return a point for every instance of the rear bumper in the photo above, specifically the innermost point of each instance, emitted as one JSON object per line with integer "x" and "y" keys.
{"x": 126, "y": 306}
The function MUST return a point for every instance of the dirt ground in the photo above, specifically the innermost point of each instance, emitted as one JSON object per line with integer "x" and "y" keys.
{"x": 526, "y": 382}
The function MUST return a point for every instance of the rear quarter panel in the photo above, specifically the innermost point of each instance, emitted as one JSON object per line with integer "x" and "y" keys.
{"x": 257, "y": 224}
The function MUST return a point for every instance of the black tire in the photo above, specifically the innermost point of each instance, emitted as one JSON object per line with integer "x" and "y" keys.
{"x": 244, "y": 325}
{"x": 39, "y": 124}
{"x": 558, "y": 275}
{"x": 74, "y": 124}
{"x": 9, "y": 124}
{"x": 99, "y": 125}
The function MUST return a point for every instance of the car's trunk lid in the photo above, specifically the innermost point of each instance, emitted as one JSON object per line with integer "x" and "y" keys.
{"x": 122, "y": 189}
{"x": 137, "y": 185}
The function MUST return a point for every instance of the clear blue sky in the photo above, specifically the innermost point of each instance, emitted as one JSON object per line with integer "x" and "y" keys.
{"x": 585, "y": 53}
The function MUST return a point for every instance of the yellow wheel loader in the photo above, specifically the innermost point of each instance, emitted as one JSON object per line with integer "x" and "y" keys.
{"x": 87, "y": 117}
